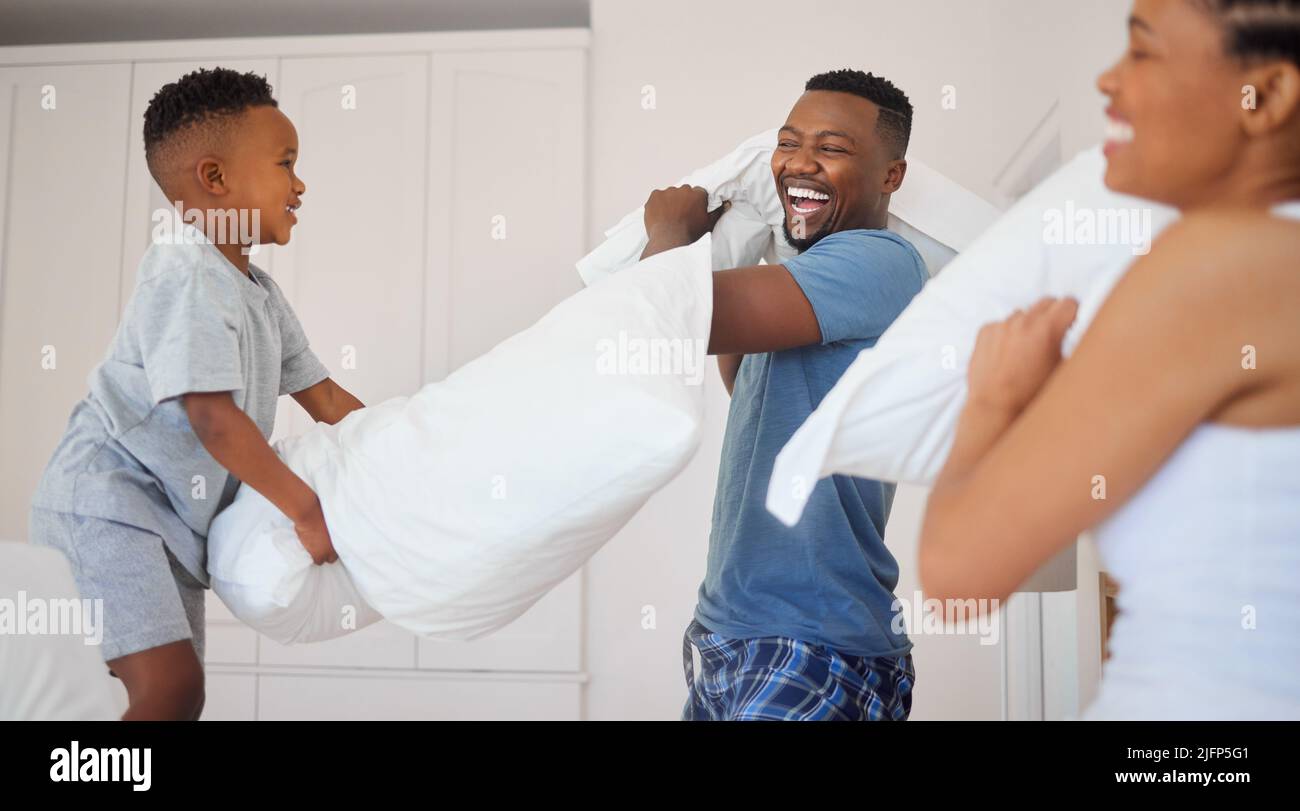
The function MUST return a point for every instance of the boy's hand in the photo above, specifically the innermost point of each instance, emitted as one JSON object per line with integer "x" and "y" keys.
{"x": 236, "y": 442}
{"x": 315, "y": 536}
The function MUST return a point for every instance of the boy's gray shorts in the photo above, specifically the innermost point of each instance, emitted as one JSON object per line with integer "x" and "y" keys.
{"x": 149, "y": 598}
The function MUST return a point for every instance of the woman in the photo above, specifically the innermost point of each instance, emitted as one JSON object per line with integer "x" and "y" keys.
{"x": 1174, "y": 428}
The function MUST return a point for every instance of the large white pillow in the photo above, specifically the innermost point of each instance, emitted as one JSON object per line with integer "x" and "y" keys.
{"x": 457, "y": 508}
{"x": 892, "y": 414}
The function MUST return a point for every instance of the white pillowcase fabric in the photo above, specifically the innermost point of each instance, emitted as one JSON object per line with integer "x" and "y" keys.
{"x": 457, "y": 508}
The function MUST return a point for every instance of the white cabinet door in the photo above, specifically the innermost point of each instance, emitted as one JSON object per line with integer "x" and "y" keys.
{"x": 506, "y": 196}
{"x": 230, "y": 697}
{"x": 382, "y": 645}
{"x": 62, "y": 164}
{"x": 355, "y": 268}
{"x": 355, "y": 697}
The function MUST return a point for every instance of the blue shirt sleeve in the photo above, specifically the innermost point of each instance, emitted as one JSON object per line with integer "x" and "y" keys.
{"x": 858, "y": 281}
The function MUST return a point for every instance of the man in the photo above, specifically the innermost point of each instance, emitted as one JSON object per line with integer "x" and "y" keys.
{"x": 795, "y": 623}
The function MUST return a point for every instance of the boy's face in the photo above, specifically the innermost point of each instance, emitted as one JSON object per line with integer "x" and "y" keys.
{"x": 260, "y": 172}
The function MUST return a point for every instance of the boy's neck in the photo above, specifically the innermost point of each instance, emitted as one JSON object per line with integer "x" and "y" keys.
{"x": 234, "y": 252}
{"x": 235, "y": 255}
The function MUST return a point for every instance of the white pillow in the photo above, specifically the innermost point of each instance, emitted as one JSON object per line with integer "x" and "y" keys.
{"x": 457, "y": 508}
{"x": 938, "y": 216}
{"x": 892, "y": 414}
{"x": 52, "y": 671}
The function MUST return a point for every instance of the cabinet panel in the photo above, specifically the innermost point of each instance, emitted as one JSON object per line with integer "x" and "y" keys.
{"x": 230, "y": 697}
{"x": 380, "y": 645}
{"x": 231, "y": 643}
{"x": 351, "y": 698}
{"x": 61, "y": 230}
{"x": 354, "y": 270}
{"x": 506, "y": 196}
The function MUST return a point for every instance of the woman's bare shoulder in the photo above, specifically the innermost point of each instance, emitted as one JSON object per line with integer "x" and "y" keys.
{"x": 1224, "y": 259}
{"x": 1243, "y": 240}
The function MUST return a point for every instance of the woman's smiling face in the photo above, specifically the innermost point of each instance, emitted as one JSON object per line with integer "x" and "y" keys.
{"x": 1173, "y": 131}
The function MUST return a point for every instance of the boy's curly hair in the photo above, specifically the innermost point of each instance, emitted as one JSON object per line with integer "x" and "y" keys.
{"x": 196, "y": 100}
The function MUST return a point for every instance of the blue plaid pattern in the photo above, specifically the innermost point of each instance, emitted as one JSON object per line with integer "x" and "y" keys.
{"x": 775, "y": 678}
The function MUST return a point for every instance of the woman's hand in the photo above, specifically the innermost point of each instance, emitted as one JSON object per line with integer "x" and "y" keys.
{"x": 1013, "y": 358}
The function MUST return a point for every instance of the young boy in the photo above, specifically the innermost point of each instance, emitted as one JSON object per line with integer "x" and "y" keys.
{"x": 180, "y": 410}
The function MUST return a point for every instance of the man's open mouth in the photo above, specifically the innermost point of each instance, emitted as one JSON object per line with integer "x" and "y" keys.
{"x": 805, "y": 200}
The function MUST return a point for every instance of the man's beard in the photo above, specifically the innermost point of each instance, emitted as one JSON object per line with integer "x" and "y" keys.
{"x": 804, "y": 244}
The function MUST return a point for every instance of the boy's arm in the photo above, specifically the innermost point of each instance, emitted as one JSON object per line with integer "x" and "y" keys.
{"x": 327, "y": 401}
{"x": 235, "y": 442}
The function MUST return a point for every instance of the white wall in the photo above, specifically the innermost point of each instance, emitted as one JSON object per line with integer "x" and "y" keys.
{"x": 721, "y": 71}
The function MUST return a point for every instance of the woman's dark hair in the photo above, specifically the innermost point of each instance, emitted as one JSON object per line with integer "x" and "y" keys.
{"x": 1259, "y": 29}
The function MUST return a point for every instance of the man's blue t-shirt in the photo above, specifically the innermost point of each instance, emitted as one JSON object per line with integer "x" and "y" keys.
{"x": 829, "y": 580}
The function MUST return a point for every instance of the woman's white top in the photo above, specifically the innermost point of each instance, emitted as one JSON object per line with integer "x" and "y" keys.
{"x": 1207, "y": 559}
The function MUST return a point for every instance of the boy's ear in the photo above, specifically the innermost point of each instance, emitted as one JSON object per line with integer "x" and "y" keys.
{"x": 211, "y": 175}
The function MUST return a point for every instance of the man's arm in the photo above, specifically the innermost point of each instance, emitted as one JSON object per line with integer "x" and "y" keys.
{"x": 755, "y": 309}
{"x": 327, "y": 401}
{"x": 728, "y": 366}
{"x": 235, "y": 442}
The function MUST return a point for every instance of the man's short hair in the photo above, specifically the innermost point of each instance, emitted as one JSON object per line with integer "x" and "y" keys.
{"x": 197, "y": 106}
{"x": 895, "y": 122}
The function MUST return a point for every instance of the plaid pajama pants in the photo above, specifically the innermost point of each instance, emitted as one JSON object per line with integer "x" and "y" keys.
{"x": 780, "y": 679}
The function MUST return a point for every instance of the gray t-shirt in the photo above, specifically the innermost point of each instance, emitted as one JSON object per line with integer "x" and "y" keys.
{"x": 193, "y": 324}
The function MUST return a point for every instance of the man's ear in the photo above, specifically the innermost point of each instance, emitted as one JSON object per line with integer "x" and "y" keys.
{"x": 211, "y": 176}
{"x": 894, "y": 175}
{"x": 1270, "y": 97}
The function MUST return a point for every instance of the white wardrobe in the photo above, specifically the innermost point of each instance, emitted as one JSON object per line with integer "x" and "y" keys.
{"x": 444, "y": 211}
